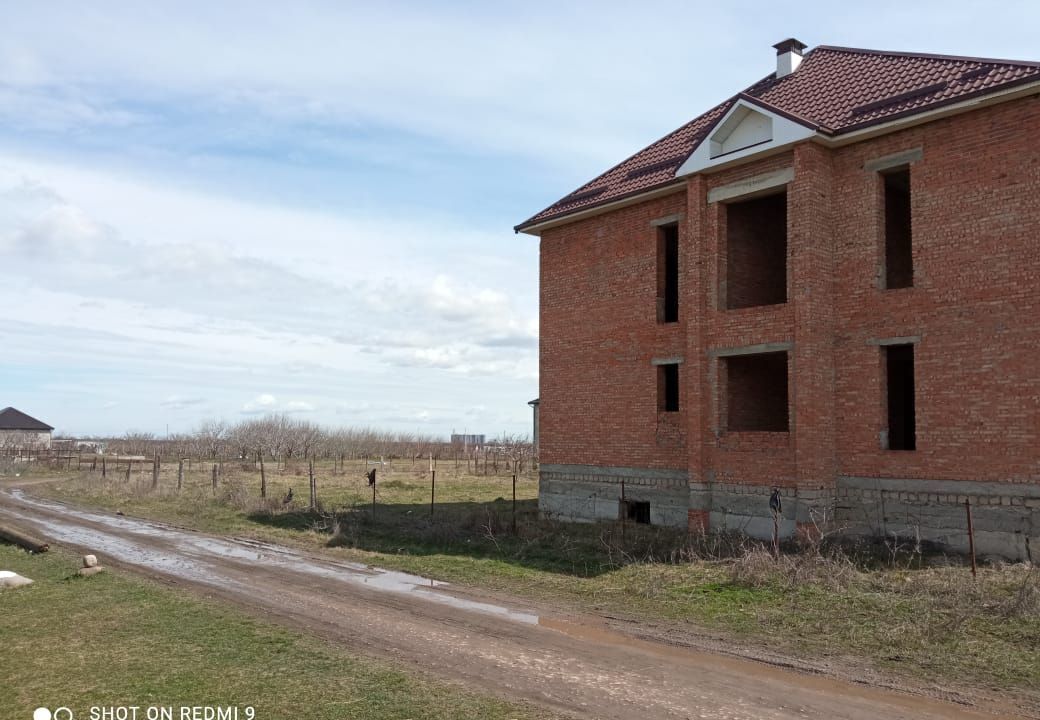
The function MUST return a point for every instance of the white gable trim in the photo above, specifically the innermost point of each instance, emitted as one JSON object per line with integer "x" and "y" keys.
{"x": 746, "y": 129}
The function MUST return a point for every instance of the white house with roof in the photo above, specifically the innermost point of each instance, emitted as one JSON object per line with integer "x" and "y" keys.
{"x": 18, "y": 430}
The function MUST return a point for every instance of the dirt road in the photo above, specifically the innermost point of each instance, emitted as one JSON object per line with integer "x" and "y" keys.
{"x": 566, "y": 664}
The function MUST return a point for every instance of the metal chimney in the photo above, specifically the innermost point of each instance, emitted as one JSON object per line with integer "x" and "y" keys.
{"x": 788, "y": 56}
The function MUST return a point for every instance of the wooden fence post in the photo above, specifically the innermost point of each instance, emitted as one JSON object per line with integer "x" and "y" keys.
{"x": 263, "y": 476}
{"x": 313, "y": 486}
{"x": 180, "y": 474}
{"x": 214, "y": 478}
{"x": 624, "y": 512}
{"x": 971, "y": 537}
{"x": 155, "y": 471}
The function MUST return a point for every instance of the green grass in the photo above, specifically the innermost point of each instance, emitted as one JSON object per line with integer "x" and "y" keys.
{"x": 117, "y": 640}
{"x": 928, "y": 624}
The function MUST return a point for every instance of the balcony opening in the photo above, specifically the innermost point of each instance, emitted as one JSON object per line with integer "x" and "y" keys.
{"x": 756, "y": 252}
{"x": 899, "y": 258}
{"x": 899, "y": 396}
{"x": 668, "y": 273}
{"x": 756, "y": 393}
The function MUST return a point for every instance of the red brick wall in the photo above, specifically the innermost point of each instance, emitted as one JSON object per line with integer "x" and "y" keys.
{"x": 975, "y": 199}
{"x": 975, "y": 304}
{"x": 598, "y": 335}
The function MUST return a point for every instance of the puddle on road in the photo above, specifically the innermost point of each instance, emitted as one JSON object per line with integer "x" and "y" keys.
{"x": 193, "y": 552}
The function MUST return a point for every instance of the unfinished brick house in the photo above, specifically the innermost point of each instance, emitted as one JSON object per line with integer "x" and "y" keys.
{"x": 827, "y": 284}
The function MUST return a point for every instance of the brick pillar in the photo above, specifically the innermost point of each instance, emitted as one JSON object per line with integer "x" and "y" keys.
{"x": 811, "y": 364}
{"x": 693, "y": 262}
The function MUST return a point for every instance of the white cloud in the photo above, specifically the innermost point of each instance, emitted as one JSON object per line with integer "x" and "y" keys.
{"x": 161, "y": 291}
{"x": 179, "y": 402}
{"x": 266, "y": 403}
{"x": 64, "y": 111}
{"x": 263, "y": 403}
{"x": 164, "y": 289}
{"x": 298, "y": 406}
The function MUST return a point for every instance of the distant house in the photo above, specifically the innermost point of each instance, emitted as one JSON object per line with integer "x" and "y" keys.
{"x": 79, "y": 445}
{"x": 18, "y": 430}
{"x": 468, "y": 440}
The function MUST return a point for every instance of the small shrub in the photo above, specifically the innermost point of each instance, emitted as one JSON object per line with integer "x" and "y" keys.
{"x": 830, "y": 568}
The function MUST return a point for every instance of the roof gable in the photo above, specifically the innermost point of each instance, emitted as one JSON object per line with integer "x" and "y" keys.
{"x": 746, "y": 128}
{"x": 741, "y": 128}
{"x": 11, "y": 419}
{"x": 837, "y": 90}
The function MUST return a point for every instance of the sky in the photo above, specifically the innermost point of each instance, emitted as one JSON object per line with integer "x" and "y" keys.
{"x": 222, "y": 210}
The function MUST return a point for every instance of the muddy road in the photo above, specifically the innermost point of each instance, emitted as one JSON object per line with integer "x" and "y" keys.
{"x": 575, "y": 666}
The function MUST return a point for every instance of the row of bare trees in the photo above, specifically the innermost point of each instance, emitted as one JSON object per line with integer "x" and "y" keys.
{"x": 285, "y": 437}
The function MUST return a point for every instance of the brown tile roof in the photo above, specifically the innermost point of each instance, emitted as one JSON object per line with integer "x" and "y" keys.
{"x": 11, "y": 419}
{"x": 836, "y": 90}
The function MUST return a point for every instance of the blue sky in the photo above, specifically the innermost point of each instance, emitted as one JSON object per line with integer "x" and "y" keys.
{"x": 216, "y": 210}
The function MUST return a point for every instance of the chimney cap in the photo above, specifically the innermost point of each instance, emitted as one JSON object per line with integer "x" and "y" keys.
{"x": 790, "y": 45}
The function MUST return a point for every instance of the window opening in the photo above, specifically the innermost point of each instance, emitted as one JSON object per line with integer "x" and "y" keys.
{"x": 756, "y": 393}
{"x": 668, "y": 387}
{"x": 902, "y": 412}
{"x": 899, "y": 258}
{"x": 668, "y": 273}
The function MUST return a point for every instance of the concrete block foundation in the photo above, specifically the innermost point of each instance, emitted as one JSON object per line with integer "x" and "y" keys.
{"x": 589, "y": 493}
{"x": 745, "y": 508}
{"x": 1006, "y": 516}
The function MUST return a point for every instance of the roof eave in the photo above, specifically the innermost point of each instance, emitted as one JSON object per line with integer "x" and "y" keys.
{"x": 536, "y": 228}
